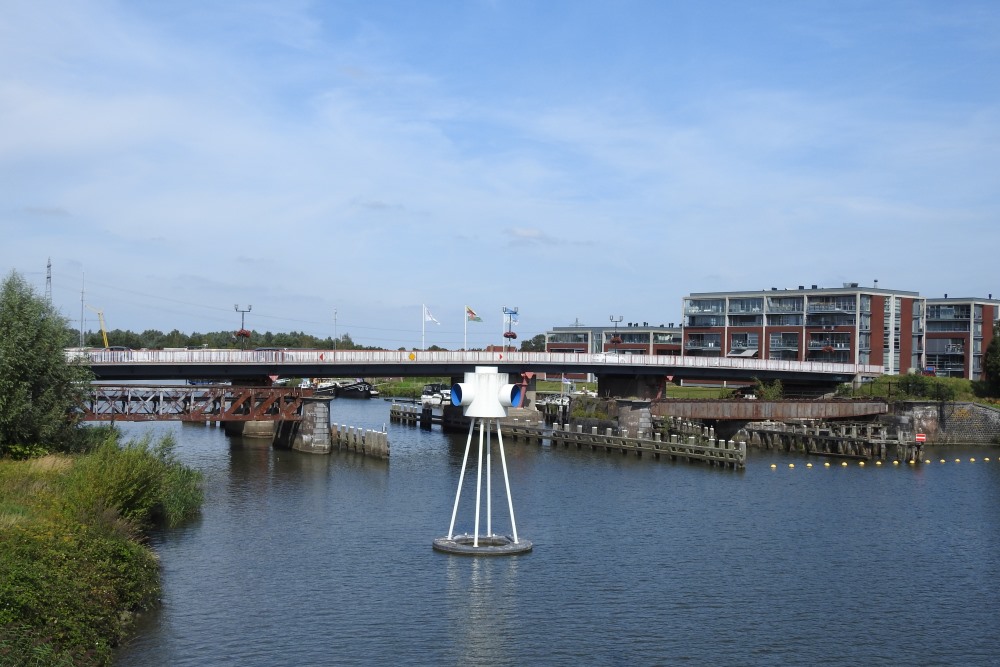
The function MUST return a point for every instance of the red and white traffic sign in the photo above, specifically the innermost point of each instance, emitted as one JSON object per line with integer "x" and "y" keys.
{"x": 921, "y": 437}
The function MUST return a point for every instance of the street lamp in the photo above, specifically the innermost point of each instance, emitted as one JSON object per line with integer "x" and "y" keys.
{"x": 616, "y": 340}
{"x": 243, "y": 334}
{"x": 509, "y": 315}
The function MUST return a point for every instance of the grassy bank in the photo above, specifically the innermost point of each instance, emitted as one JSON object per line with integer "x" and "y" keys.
{"x": 75, "y": 564}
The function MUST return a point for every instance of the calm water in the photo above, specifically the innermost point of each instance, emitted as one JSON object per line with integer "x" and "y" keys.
{"x": 326, "y": 560}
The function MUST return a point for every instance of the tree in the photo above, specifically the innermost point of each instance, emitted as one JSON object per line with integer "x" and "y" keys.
{"x": 536, "y": 344}
{"x": 991, "y": 363}
{"x": 39, "y": 388}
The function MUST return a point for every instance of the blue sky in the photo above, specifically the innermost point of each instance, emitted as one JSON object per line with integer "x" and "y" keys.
{"x": 578, "y": 160}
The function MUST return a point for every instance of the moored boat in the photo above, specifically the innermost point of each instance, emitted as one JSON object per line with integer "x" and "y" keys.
{"x": 357, "y": 389}
{"x": 435, "y": 394}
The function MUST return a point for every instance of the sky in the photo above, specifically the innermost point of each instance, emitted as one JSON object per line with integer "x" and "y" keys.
{"x": 336, "y": 166}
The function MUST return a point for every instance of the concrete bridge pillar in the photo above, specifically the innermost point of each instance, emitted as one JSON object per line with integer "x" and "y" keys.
{"x": 313, "y": 432}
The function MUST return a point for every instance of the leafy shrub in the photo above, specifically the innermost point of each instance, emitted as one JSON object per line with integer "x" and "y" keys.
{"x": 72, "y": 563}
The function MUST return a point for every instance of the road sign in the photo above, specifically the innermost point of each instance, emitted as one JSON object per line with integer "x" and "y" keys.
{"x": 921, "y": 437}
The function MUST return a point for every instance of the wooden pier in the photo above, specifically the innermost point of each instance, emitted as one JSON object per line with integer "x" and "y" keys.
{"x": 859, "y": 441}
{"x": 414, "y": 415}
{"x": 725, "y": 453}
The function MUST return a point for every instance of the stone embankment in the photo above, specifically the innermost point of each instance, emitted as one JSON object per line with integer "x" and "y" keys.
{"x": 949, "y": 423}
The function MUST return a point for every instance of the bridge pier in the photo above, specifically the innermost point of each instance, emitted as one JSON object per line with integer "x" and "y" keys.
{"x": 312, "y": 434}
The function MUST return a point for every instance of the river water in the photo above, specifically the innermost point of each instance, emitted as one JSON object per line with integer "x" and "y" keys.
{"x": 302, "y": 559}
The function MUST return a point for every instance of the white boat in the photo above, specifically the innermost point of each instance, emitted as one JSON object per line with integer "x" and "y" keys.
{"x": 435, "y": 394}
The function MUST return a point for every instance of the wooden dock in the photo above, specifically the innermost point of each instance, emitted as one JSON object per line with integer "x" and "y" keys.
{"x": 414, "y": 415}
{"x": 858, "y": 441}
{"x": 725, "y": 453}
{"x": 676, "y": 446}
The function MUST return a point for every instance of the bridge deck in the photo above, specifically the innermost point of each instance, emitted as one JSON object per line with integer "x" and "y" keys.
{"x": 257, "y": 364}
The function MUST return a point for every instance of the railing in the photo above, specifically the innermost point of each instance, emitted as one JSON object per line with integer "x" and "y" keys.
{"x": 333, "y": 358}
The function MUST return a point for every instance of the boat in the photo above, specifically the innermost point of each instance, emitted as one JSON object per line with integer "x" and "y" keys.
{"x": 435, "y": 394}
{"x": 357, "y": 389}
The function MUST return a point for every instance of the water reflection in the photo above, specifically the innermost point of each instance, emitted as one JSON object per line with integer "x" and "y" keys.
{"x": 482, "y": 600}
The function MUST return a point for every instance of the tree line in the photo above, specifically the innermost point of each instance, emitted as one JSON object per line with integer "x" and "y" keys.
{"x": 151, "y": 339}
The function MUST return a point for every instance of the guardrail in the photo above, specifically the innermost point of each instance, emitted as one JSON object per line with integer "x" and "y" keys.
{"x": 334, "y": 358}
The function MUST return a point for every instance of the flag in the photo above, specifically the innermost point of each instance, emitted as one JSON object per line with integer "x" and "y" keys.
{"x": 513, "y": 320}
{"x": 567, "y": 381}
{"x": 471, "y": 316}
{"x": 428, "y": 317}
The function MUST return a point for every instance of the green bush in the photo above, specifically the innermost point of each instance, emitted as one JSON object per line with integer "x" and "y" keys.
{"x": 66, "y": 584}
{"x": 73, "y": 565}
{"x": 911, "y": 386}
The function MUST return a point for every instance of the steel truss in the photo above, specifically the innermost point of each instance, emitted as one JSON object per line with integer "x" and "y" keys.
{"x": 193, "y": 403}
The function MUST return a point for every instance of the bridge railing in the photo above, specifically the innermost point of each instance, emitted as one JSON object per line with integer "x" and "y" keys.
{"x": 333, "y": 358}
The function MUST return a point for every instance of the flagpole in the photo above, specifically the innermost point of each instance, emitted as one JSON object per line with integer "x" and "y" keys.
{"x": 465, "y": 316}
{"x": 423, "y": 324}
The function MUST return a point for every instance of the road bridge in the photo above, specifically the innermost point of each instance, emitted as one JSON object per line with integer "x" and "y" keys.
{"x": 257, "y": 366}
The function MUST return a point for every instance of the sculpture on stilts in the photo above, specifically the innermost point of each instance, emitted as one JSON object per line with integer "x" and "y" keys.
{"x": 485, "y": 399}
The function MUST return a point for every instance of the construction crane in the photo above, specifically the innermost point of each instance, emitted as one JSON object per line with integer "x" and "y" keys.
{"x": 100, "y": 318}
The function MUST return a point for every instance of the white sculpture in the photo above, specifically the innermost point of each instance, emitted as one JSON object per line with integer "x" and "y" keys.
{"x": 484, "y": 396}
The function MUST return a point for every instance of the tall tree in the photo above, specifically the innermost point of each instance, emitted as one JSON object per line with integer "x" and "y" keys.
{"x": 39, "y": 388}
{"x": 534, "y": 344}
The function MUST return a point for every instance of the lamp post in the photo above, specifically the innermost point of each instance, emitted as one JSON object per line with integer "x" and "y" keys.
{"x": 243, "y": 334}
{"x": 508, "y": 335}
{"x": 616, "y": 339}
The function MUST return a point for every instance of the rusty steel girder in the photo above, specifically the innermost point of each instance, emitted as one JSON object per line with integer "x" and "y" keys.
{"x": 755, "y": 410}
{"x": 199, "y": 403}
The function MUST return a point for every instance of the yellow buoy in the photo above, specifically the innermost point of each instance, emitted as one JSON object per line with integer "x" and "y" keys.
{"x": 942, "y": 460}
{"x": 927, "y": 460}
{"x": 773, "y": 466}
{"x": 958, "y": 460}
{"x": 878, "y": 463}
{"x": 861, "y": 463}
{"x": 987, "y": 459}
{"x": 791, "y": 465}
{"x": 972, "y": 460}
{"x": 826, "y": 464}
{"x": 844, "y": 464}
{"x": 895, "y": 463}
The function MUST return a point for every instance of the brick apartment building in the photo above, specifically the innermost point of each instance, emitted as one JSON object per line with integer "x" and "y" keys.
{"x": 848, "y": 324}
{"x": 958, "y": 332}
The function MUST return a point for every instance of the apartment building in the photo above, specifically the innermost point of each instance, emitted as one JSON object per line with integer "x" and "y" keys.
{"x": 848, "y": 324}
{"x": 958, "y": 332}
{"x": 624, "y": 338}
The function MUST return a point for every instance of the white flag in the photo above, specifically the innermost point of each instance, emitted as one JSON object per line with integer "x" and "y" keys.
{"x": 428, "y": 317}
